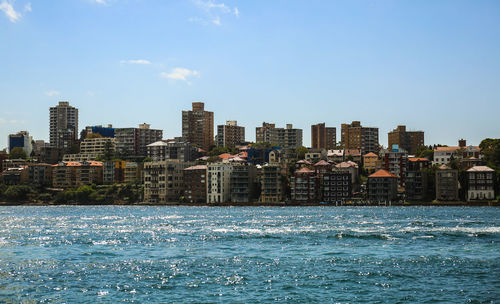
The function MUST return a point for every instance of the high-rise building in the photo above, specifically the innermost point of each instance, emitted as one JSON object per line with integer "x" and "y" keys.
{"x": 230, "y": 134}
{"x": 198, "y": 126}
{"x": 355, "y": 136}
{"x": 63, "y": 125}
{"x": 323, "y": 137}
{"x": 286, "y": 138}
{"x": 132, "y": 142}
{"x": 22, "y": 140}
{"x": 408, "y": 140}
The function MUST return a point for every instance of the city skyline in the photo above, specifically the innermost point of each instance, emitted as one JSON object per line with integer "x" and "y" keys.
{"x": 423, "y": 65}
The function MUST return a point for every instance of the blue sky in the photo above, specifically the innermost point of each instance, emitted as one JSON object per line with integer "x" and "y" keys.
{"x": 432, "y": 65}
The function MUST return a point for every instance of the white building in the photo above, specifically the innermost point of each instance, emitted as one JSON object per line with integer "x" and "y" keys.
{"x": 442, "y": 155}
{"x": 480, "y": 180}
{"x": 219, "y": 182}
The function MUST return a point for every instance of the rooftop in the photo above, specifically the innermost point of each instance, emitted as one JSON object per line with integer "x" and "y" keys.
{"x": 383, "y": 173}
{"x": 480, "y": 169}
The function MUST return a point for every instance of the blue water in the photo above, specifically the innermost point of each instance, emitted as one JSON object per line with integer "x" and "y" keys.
{"x": 249, "y": 255}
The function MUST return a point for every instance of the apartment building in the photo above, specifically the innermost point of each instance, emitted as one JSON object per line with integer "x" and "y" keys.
{"x": 243, "y": 182}
{"x": 271, "y": 184}
{"x": 63, "y": 126}
{"x": 370, "y": 162}
{"x": 164, "y": 181}
{"x": 446, "y": 184}
{"x": 132, "y": 142}
{"x": 443, "y": 155}
{"x": 172, "y": 149}
{"x": 480, "y": 182}
{"x": 195, "y": 184}
{"x": 355, "y": 136}
{"x": 92, "y": 148}
{"x": 382, "y": 187}
{"x": 21, "y": 139}
{"x": 323, "y": 137}
{"x": 286, "y": 138}
{"x": 416, "y": 179}
{"x": 304, "y": 186}
{"x": 219, "y": 182}
{"x": 410, "y": 141}
{"x": 230, "y": 134}
{"x": 198, "y": 126}
{"x": 396, "y": 162}
{"x": 40, "y": 174}
{"x": 335, "y": 186}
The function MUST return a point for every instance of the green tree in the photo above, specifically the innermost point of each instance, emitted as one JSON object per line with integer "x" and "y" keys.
{"x": 301, "y": 152}
{"x": 17, "y": 153}
{"x": 17, "y": 192}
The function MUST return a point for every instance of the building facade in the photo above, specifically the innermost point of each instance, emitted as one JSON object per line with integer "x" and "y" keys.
{"x": 323, "y": 137}
{"x": 271, "y": 184}
{"x": 407, "y": 140}
{"x": 396, "y": 162}
{"x": 287, "y": 138}
{"x": 370, "y": 162}
{"x": 243, "y": 182}
{"x": 480, "y": 182}
{"x": 446, "y": 184}
{"x": 230, "y": 134}
{"x": 132, "y": 142}
{"x": 21, "y": 140}
{"x": 335, "y": 187}
{"x": 195, "y": 184}
{"x": 382, "y": 187}
{"x": 355, "y": 136}
{"x": 198, "y": 126}
{"x": 164, "y": 181}
{"x": 172, "y": 149}
{"x": 219, "y": 182}
{"x": 63, "y": 126}
{"x": 416, "y": 179}
{"x": 304, "y": 187}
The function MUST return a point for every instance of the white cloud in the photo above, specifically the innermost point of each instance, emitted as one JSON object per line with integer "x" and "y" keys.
{"x": 136, "y": 61}
{"x": 10, "y": 121}
{"x": 52, "y": 93}
{"x": 213, "y": 10}
{"x": 9, "y": 11}
{"x": 180, "y": 74}
{"x": 27, "y": 7}
{"x": 103, "y": 2}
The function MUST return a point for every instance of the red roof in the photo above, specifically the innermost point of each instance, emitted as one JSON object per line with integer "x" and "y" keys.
{"x": 226, "y": 156}
{"x": 417, "y": 159}
{"x": 371, "y": 154}
{"x": 383, "y": 173}
{"x": 304, "y": 170}
{"x": 322, "y": 163}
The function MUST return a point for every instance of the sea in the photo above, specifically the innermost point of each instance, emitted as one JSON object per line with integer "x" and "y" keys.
{"x": 147, "y": 254}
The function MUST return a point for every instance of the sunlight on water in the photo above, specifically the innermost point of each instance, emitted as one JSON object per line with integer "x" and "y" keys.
{"x": 249, "y": 255}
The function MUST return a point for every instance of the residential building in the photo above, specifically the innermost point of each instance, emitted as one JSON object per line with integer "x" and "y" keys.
{"x": 89, "y": 172}
{"x": 92, "y": 148}
{"x": 480, "y": 181}
{"x": 344, "y": 155}
{"x": 286, "y": 138}
{"x": 230, "y": 134}
{"x": 164, "y": 181}
{"x": 15, "y": 176}
{"x": 304, "y": 186}
{"x": 382, "y": 187}
{"x": 219, "y": 182}
{"x": 63, "y": 126}
{"x": 416, "y": 179}
{"x": 132, "y": 172}
{"x": 351, "y": 167}
{"x": 40, "y": 174}
{"x": 407, "y": 140}
{"x": 443, "y": 155}
{"x": 132, "y": 142}
{"x": 198, "y": 126}
{"x": 395, "y": 161}
{"x": 323, "y": 137}
{"x": 21, "y": 139}
{"x": 64, "y": 174}
{"x": 446, "y": 184}
{"x": 195, "y": 184}
{"x": 13, "y": 163}
{"x": 315, "y": 155}
{"x": 104, "y": 131}
{"x": 3, "y": 156}
{"x": 271, "y": 184}
{"x": 335, "y": 186}
{"x": 355, "y": 136}
{"x": 370, "y": 162}
{"x": 172, "y": 149}
{"x": 243, "y": 182}
{"x": 322, "y": 167}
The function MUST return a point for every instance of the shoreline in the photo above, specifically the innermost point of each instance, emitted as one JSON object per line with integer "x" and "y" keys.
{"x": 406, "y": 204}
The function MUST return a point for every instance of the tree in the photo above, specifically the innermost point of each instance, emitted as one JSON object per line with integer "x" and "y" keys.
{"x": 17, "y": 153}
{"x": 490, "y": 148}
{"x": 301, "y": 152}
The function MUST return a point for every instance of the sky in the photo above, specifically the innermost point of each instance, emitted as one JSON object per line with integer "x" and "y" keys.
{"x": 430, "y": 65}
